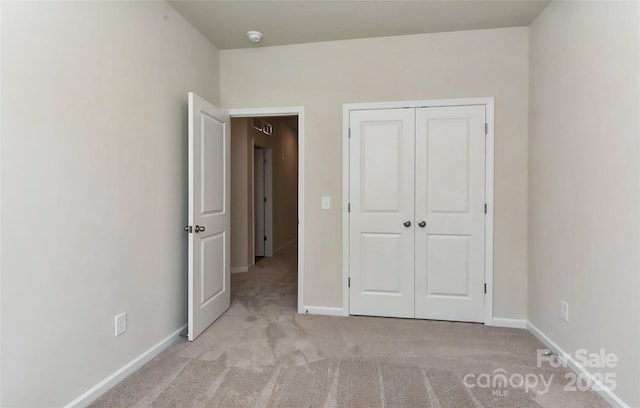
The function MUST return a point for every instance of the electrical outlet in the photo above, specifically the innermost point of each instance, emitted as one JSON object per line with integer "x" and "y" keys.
{"x": 564, "y": 310}
{"x": 121, "y": 323}
{"x": 326, "y": 203}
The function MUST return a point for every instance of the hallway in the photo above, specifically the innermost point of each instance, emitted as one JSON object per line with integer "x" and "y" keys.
{"x": 260, "y": 353}
{"x": 270, "y": 288}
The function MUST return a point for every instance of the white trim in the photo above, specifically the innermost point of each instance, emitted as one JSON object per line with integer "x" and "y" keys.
{"x": 257, "y": 112}
{"x": 105, "y": 385}
{"x": 420, "y": 103}
{"x": 288, "y": 111}
{"x": 488, "y": 102}
{"x": 599, "y": 388}
{"x": 324, "y": 311}
{"x": 346, "y": 198}
{"x": 511, "y": 323}
{"x": 301, "y": 183}
{"x": 488, "y": 219}
{"x": 240, "y": 269}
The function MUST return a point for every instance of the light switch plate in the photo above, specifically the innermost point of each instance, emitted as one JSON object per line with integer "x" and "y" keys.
{"x": 326, "y": 203}
{"x": 564, "y": 311}
{"x": 121, "y": 324}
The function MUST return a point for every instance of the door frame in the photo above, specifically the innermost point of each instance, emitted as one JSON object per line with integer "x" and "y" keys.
{"x": 488, "y": 102}
{"x": 287, "y": 111}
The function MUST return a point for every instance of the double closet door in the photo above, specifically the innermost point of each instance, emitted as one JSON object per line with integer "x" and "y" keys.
{"x": 417, "y": 208}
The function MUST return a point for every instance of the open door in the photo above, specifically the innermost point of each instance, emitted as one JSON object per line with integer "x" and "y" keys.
{"x": 209, "y": 220}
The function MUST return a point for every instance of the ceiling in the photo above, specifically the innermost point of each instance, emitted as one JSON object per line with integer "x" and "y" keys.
{"x": 225, "y": 23}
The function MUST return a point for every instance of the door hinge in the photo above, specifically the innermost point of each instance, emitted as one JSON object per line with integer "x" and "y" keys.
{"x": 485, "y": 288}
{"x": 486, "y": 128}
{"x": 188, "y": 229}
{"x": 349, "y": 133}
{"x": 348, "y": 282}
{"x": 485, "y": 208}
{"x": 265, "y": 199}
{"x": 349, "y": 207}
{"x": 265, "y": 238}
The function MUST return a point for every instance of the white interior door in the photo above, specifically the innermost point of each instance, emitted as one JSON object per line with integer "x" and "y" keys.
{"x": 268, "y": 205}
{"x": 259, "y": 201}
{"x": 381, "y": 197}
{"x": 209, "y": 220}
{"x": 449, "y": 248}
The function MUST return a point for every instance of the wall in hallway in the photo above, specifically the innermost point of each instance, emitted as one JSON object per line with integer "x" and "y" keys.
{"x": 240, "y": 244}
{"x": 285, "y": 184}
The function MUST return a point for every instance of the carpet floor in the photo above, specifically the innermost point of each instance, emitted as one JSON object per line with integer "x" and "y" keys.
{"x": 262, "y": 354}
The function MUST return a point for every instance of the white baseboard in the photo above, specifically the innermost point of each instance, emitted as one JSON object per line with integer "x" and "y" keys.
{"x": 240, "y": 269}
{"x": 105, "y": 385}
{"x": 320, "y": 310}
{"x": 512, "y": 323}
{"x": 600, "y": 389}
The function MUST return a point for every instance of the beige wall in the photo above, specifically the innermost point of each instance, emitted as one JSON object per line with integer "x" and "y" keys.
{"x": 93, "y": 176}
{"x": 584, "y": 178}
{"x": 240, "y": 182}
{"x": 323, "y": 76}
{"x": 285, "y": 184}
{"x": 284, "y": 146}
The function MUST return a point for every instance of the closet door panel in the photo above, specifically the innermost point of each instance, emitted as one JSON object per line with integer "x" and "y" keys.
{"x": 449, "y": 194}
{"x": 382, "y": 200}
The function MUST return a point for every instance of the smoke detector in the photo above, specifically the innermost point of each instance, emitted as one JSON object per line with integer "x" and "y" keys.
{"x": 254, "y": 36}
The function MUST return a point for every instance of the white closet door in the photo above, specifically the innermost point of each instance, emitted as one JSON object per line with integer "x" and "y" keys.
{"x": 450, "y": 177}
{"x": 382, "y": 200}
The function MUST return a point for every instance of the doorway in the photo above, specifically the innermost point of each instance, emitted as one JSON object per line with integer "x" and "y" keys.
{"x": 267, "y": 167}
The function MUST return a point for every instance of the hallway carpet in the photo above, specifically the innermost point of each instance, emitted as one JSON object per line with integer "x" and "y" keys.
{"x": 262, "y": 354}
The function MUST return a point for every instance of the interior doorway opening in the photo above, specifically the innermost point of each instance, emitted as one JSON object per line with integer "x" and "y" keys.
{"x": 264, "y": 188}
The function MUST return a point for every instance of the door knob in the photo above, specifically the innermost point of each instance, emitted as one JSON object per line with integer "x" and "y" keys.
{"x": 422, "y": 224}
{"x": 407, "y": 224}
{"x": 199, "y": 228}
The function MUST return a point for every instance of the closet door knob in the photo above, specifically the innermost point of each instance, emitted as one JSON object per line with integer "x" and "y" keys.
{"x": 407, "y": 224}
{"x": 422, "y": 224}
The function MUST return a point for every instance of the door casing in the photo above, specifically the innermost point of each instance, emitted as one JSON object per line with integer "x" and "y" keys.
{"x": 488, "y": 102}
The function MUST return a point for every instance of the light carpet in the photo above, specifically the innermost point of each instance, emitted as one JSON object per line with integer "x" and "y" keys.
{"x": 262, "y": 354}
